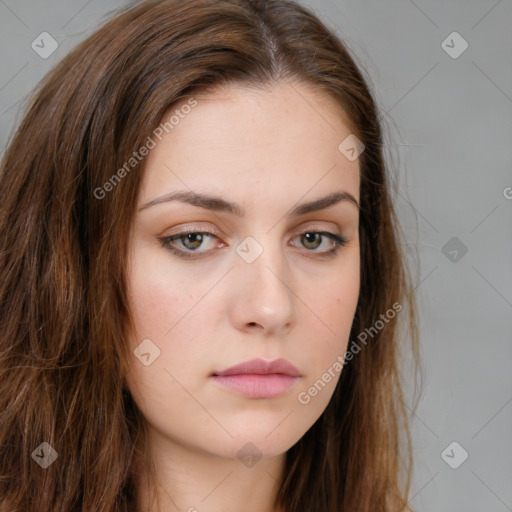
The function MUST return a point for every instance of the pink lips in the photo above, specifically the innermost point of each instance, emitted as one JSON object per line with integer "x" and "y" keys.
{"x": 258, "y": 378}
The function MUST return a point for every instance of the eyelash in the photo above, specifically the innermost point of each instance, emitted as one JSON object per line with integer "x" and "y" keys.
{"x": 340, "y": 241}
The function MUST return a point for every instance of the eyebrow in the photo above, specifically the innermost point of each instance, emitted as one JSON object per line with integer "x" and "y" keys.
{"x": 219, "y": 204}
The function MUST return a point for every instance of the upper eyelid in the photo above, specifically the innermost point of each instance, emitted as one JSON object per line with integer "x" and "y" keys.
{"x": 216, "y": 232}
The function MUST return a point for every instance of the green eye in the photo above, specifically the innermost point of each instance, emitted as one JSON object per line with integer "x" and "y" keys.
{"x": 192, "y": 240}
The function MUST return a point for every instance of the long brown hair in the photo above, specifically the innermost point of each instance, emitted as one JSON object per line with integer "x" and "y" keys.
{"x": 64, "y": 313}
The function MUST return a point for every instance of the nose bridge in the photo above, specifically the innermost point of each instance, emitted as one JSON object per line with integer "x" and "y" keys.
{"x": 266, "y": 263}
{"x": 266, "y": 295}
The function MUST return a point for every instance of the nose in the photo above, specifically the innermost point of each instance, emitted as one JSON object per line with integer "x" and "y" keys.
{"x": 264, "y": 299}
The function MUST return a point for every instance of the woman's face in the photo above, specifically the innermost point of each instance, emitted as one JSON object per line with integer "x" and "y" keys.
{"x": 251, "y": 284}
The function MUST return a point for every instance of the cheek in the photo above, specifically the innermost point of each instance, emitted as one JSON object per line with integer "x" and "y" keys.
{"x": 156, "y": 305}
{"x": 159, "y": 297}
{"x": 328, "y": 329}
{"x": 168, "y": 310}
{"x": 170, "y": 313}
{"x": 333, "y": 304}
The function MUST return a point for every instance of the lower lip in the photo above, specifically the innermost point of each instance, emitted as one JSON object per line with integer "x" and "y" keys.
{"x": 257, "y": 386}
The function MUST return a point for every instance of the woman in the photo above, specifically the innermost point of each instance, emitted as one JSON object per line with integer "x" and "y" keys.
{"x": 202, "y": 279}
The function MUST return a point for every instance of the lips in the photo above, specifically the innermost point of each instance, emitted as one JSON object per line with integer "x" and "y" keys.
{"x": 257, "y": 378}
{"x": 261, "y": 367}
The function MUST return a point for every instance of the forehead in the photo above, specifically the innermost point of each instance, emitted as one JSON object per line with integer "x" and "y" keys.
{"x": 283, "y": 137}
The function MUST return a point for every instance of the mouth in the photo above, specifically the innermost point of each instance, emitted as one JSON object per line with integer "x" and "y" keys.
{"x": 258, "y": 378}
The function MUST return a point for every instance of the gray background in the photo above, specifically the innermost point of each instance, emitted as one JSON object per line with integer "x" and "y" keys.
{"x": 449, "y": 130}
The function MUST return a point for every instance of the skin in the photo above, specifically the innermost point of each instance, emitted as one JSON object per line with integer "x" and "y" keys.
{"x": 266, "y": 150}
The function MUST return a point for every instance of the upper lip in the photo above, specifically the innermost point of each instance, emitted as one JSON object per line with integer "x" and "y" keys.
{"x": 261, "y": 367}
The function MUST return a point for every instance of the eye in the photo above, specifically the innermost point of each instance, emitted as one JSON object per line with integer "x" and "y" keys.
{"x": 313, "y": 239}
{"x": 191, "y": 240}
